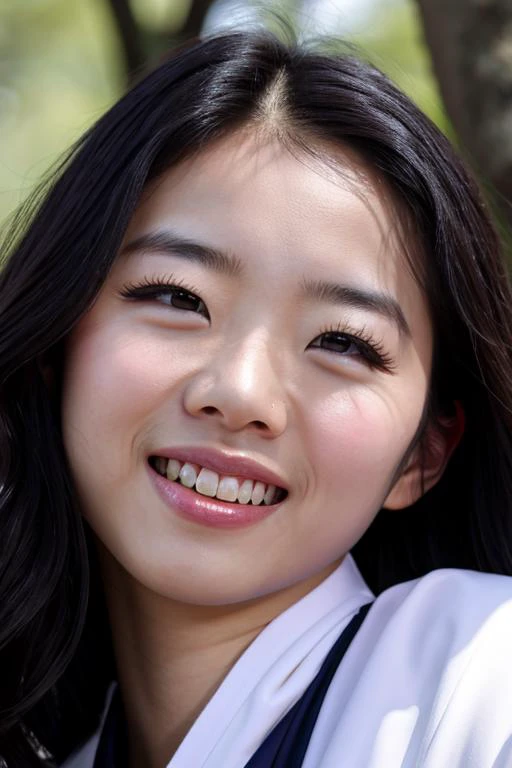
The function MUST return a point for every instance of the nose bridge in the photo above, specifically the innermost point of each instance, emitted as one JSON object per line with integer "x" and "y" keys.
{"x": 252, "y": 362}
{"x": 242, "y": 382}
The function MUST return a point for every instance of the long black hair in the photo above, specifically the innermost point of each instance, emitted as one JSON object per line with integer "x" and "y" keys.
{"x": 55, "y": 649}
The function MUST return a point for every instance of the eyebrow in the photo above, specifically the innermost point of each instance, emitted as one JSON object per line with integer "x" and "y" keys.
{"x": 358, "y": 298}
{"x": 226, "y": 263}
{"x": 172, "y": 244}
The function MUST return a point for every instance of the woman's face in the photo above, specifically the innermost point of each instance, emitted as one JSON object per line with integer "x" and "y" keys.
{"x": 296, "y": 337}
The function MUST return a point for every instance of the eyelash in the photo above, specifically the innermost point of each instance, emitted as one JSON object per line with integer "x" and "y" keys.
{"x": 152, "y": 287}
{"x": 370, "y": 349}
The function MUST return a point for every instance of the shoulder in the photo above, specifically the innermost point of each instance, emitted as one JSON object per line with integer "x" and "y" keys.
{"x": 431, "y": 676}
{"x": 463, "y": 600}
{"x": 448, "y": 620}
{"x": 457, "y": 626}
{"x": 449, "y": 607}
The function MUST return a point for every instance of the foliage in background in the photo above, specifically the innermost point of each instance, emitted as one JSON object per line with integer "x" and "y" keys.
{"x": 393, "y": 41}
{"x": 59, "y": 70}
{"x": 63, "y": 62}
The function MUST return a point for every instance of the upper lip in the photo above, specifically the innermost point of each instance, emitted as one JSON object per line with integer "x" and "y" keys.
{"x": 224, "y": 463}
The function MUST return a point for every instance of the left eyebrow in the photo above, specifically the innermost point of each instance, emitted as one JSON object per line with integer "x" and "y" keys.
{"x": 170, "y": 243}
{"x": 346, "y": 295}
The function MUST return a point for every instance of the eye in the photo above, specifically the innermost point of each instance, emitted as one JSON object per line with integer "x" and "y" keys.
{"x": 357, "y": 344}
{"x": 337, "y": 342}
{"x": 181, "y": 299}
{"x": 173, "y": 294}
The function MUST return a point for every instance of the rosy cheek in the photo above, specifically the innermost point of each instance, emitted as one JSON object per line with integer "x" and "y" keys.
{"x": 128, "y": 372}
{"x": 357, "y": 433}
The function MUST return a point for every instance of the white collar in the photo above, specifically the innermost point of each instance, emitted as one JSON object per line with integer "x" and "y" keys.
{"x": 267, "y": 679}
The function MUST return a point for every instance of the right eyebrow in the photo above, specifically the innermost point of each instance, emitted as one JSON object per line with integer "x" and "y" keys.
{"x": 169, "y": 243}
{"x": 359, "y": 298}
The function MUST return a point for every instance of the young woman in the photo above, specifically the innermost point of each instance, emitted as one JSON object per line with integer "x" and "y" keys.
{"x": 255, "y": 446}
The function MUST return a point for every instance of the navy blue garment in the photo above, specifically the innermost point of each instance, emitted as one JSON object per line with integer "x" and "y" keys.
{"x": 112, "y": 749}
{"x": 286, "y": 744}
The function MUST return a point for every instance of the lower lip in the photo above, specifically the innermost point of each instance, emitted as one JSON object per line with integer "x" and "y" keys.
{"x": 207, "y": 511}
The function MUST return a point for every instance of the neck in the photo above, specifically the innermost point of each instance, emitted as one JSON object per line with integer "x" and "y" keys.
{"x": 171, "y": 657}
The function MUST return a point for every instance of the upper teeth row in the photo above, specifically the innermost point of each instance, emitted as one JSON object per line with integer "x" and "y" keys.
{"x": 209, "y": 483}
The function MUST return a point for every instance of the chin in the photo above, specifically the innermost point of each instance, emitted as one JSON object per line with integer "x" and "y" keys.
{"x": 197, "y": 582}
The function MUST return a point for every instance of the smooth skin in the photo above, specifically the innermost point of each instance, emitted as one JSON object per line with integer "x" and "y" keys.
{"x": 242, "y": 368}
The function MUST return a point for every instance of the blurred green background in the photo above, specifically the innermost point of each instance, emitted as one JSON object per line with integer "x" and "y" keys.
{"x": 63, "y": 62}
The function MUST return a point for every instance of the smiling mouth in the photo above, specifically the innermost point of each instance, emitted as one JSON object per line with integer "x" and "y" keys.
{"x": 206, "y": 482}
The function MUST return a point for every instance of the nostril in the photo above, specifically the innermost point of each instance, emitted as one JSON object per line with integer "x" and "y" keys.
{"x": 210, "y": 410}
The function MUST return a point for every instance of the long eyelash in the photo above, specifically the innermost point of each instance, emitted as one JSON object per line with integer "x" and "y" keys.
{"x": 371, "y": 348}
{"x": 148, "y": 285}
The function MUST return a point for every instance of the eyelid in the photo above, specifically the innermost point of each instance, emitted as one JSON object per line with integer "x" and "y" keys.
{"x": 161, "y": 281}
{"x": 376, "y": 358}
{"x": 150, "y": 287}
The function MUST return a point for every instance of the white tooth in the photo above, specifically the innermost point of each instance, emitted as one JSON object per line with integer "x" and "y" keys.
{"x": 173, "y": 469}
{"x": 245, "y": 491}
{"x": 258, "y": 493}
{"x": 269, "y": 495}
{"x": 161, "y": 465}
{"x": 228, "y": 489}
{"x": 207, "y": 482}
{"x": 188, "y": 475}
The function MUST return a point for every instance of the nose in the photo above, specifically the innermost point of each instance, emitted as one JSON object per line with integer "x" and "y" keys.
{"x": 240, "y": 388}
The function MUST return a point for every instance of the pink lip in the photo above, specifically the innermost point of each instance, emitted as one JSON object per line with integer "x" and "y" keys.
{"x": 210, "y": 512}
{"x": 224, "y": 464}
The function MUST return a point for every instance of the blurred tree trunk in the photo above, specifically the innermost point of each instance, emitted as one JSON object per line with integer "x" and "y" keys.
{"x": 141, "y": 48}
{"x": 471, "y": 46}
{"x": 129, "y": 36}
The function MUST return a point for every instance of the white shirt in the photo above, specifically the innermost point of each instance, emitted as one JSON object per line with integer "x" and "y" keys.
{"x": 427, "y": 681}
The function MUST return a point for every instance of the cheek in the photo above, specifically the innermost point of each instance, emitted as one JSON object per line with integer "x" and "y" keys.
{"x": 358, "y": 439}
{"x": 114, "y": 377}
{"x": 108, "y": 387}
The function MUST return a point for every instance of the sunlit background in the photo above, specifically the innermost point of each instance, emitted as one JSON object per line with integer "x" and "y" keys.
{"x": 62, "y": 64}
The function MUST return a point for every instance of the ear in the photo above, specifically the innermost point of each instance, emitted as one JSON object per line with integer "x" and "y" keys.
{"x": 428, "y": 460}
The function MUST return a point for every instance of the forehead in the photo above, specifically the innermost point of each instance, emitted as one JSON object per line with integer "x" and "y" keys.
{"x": 247, "y": 169}
{"x": 283, "y": 212}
